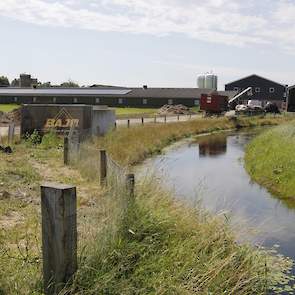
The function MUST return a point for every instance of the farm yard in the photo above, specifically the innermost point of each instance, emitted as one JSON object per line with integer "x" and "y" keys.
{"x": 143, "y": 152}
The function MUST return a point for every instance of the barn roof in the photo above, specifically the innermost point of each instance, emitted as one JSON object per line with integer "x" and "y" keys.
{"x": 61, "y": 91}
{"x": 130, "y": 92}
{"x": 254, "y": 75}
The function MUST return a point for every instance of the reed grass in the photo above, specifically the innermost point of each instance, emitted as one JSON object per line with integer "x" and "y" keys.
{"x": 161, "y": 247}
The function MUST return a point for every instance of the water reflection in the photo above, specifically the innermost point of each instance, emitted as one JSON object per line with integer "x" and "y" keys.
{"x": 216, "y": 176}
{"x": 212, "y": 147}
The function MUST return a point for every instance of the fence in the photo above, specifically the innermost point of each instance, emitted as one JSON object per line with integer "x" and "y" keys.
{"x": 59, "y": 212}
{"x": 128, "y": 122}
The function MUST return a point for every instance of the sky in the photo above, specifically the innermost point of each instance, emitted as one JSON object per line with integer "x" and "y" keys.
{"x": 159, "y": 43}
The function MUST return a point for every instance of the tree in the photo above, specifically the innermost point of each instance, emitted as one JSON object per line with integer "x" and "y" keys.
{"x": 69, "y": 84}
{"x": 4, "y": 82}
{"x": 44, "y": 85}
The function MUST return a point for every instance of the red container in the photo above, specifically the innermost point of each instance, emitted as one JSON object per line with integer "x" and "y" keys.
{"x": 213, "y": 103}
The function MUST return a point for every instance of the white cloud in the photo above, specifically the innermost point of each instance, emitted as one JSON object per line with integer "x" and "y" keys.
{"x": 232, "y": 22}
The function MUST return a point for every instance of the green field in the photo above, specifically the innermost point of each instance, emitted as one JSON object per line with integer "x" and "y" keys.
{"x": 8, "y": 107}
{"x": 125, "y": 112}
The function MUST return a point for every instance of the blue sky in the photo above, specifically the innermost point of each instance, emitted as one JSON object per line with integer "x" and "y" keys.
{"x": 161, "y": 43}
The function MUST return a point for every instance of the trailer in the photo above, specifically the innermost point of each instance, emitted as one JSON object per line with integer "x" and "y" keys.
{"x": 213, "y": 104}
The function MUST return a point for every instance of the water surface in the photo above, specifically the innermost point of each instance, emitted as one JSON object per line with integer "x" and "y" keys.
{"x": 210, "y": 171}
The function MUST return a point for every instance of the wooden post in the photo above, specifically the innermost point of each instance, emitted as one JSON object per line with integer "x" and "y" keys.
{"x": 142, "y": 120}
{"x": 66, "y": 150}
{"x": 128, "y": 123}
{"x": 177, "y": 117}
{"x": 59, "y": 235}
{"x": 115, "y": 127}
{"x": 165, "y": 118}
{"x": 103, "y": 167}
{"x": 11, "y": 130}
{"x": 130, "y": 183}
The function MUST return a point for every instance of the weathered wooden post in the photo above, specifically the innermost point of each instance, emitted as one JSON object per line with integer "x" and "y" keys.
{"x": 103, "y": 167}
{"x": 59, "y": 235}
{"x": 115, "y": 126}
{"x": 130, "y": 183}
{"x": 128, "y": 123}
{"x": 66, "y": 150}
{"x": 142, "y": 120}
{"x": 11, "y": 130}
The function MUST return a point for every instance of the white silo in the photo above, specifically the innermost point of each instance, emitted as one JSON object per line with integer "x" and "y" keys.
{"x": 211, "y": 81}
{"x": 201, "y": 81}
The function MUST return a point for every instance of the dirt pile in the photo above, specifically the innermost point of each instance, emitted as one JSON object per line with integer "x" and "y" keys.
{"x": 175, "y": 110}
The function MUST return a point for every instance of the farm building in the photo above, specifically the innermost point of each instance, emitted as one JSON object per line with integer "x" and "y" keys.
{"x": 291, "y": 99}
{"x": 263, "y": 89}
{"x": 110, "y": 96}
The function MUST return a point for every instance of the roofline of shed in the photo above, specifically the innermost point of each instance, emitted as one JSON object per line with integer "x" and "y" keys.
{"x": 258, "y": 77}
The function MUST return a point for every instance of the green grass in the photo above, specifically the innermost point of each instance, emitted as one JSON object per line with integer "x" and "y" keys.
{"x": 164, "y": 248}
{"x": 129, "y": 146}
{"x": 270, "y": 161}
{"x": 149, "y": 245}
{"x": 8, "y": 107}
{"x": 132, "y": 111}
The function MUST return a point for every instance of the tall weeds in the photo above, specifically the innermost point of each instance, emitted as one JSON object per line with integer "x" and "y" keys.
{"x": 161, "y": 247}
{"x": 131, "y": 146}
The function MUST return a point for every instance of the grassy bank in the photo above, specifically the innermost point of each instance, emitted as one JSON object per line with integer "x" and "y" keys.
{"x": 8, "y": 107}
{"x": 270, "y": 161}
{"x": 131, "y": 146}
{"x": 151, "y": 246}
{"x": 170, "y": 249}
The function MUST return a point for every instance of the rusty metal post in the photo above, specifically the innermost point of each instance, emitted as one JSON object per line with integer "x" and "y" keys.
{"x": 103, "y": 167}
{"x": 130, "y": 183}
{"x": 66, "y": 150}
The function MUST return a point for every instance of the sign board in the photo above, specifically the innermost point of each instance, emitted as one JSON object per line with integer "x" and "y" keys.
{"x": 61, "y": 118}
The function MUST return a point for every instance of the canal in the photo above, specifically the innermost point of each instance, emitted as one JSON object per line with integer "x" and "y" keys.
{"x": 209, "y": 172}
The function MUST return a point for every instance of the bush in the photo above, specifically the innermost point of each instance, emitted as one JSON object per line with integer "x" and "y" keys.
{"x": 50, "y": 140}
{"x": 34, "y": 138}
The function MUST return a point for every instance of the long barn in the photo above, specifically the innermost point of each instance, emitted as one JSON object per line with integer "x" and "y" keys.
{"x": 110, "y": 96}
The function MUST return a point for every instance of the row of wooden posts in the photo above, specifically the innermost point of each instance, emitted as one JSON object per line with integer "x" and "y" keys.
{"x": 59, "y": 227}
{"x": 155, "y": 120}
